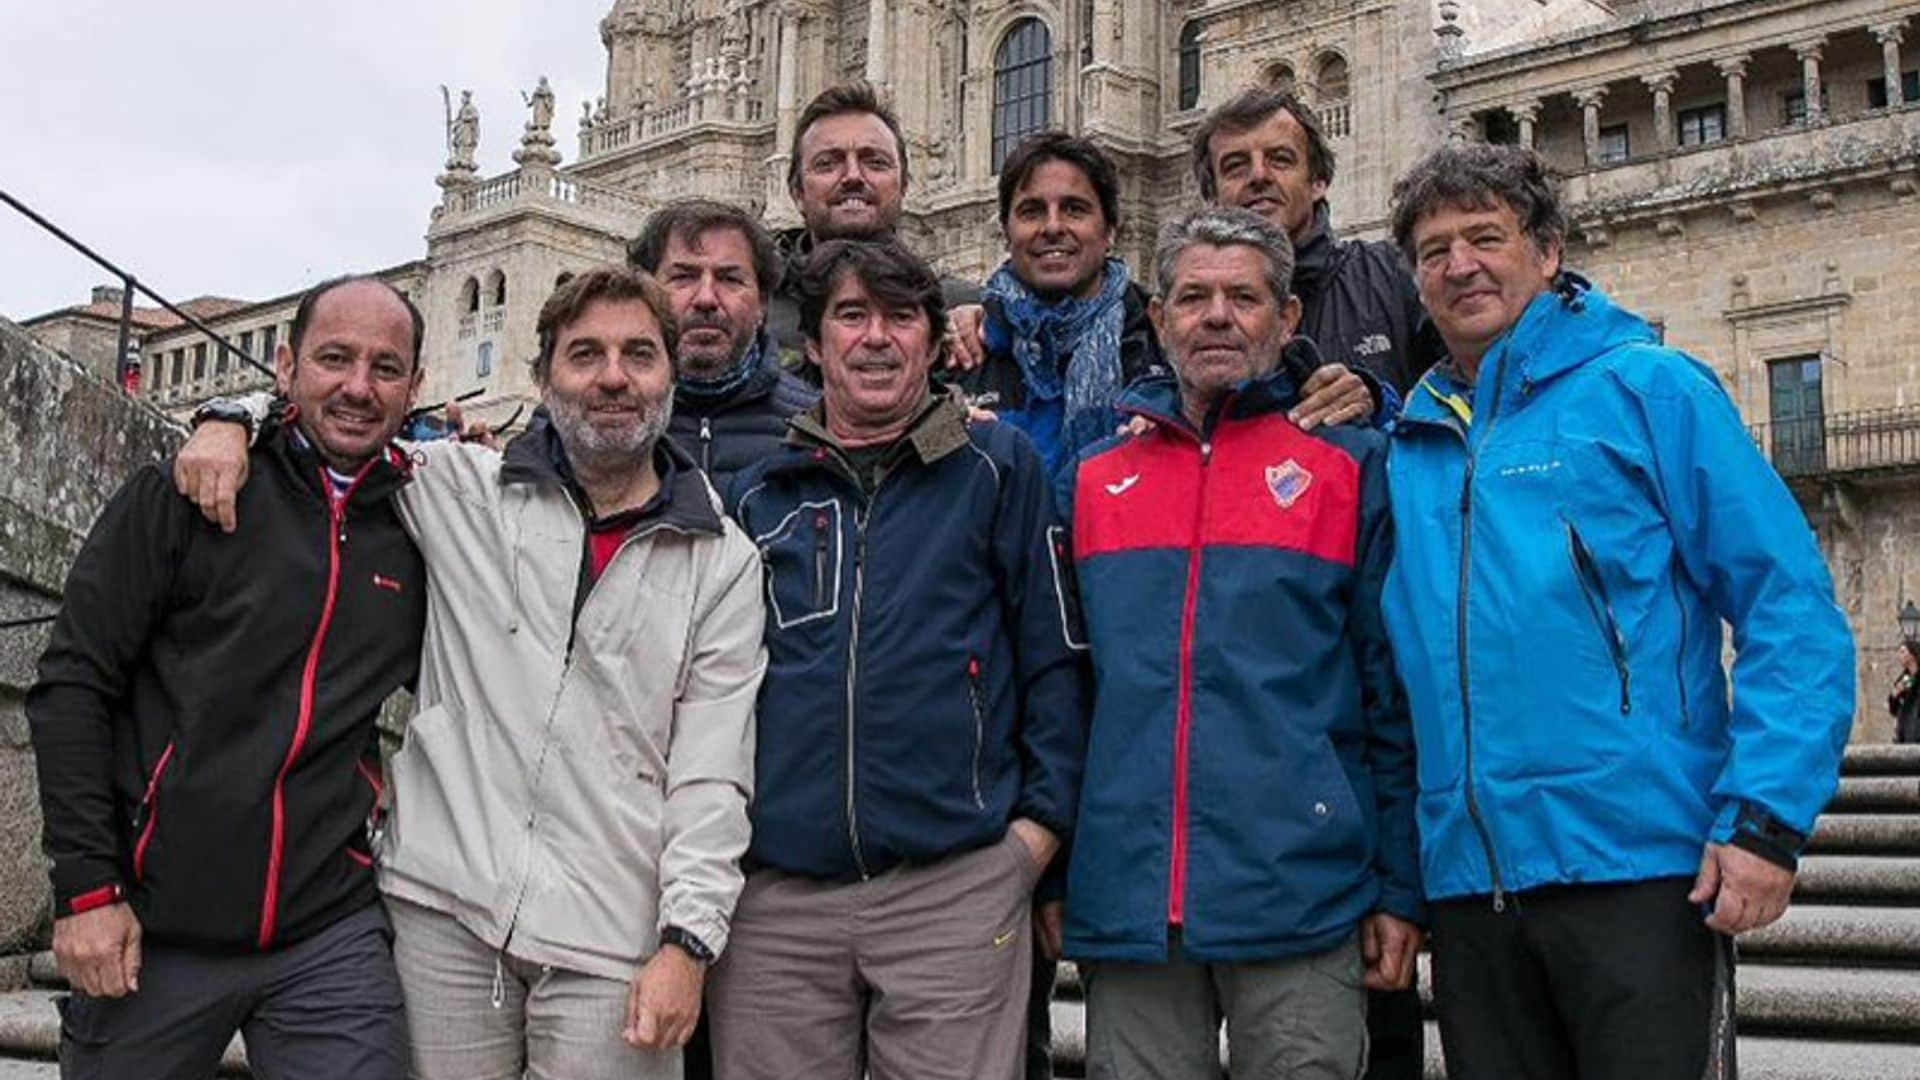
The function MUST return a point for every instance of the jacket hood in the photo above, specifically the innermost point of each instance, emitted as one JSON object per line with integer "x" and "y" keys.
{"x": 1157, "y": 396}
{"x": 1561, "y": 329}
{"x": 537, "y": 456}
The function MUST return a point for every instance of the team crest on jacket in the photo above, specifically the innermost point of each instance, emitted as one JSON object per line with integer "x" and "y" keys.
{"x": 1288, "y": 481}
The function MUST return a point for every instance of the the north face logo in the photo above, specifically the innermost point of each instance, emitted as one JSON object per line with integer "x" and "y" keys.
{"x": 1288, "y": 481}
{"x": 1372, "y": 345}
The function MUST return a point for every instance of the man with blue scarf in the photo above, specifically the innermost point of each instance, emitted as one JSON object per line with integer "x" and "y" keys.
{"x": 1581, "y": 513}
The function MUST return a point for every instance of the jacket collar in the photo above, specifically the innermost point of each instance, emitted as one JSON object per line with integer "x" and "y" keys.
{"x": 939, "y": 430}
{"x": 1313, "y": 257}
{"x": 1157, "y": 397}
{"x": 387, "y": 473}
{"x": 537, "y": 457}
{"x": 1560, "y": 330}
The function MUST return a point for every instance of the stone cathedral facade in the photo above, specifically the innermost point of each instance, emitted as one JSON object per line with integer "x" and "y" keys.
{"x": 1743, "y": 172}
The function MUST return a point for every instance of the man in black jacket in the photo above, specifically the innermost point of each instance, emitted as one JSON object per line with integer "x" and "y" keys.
{"x": 731, "y": 398}
{"x": 204, "y": 727}
{"x": 1264, "y": 151}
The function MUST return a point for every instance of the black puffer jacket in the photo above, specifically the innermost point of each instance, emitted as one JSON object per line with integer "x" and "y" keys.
{"x": 729, "y": 434}
{"x": 204, "y": 715}
{"x": 1361, "y": 307}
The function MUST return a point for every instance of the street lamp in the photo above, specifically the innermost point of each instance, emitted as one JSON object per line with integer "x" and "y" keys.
{"x": 1909, "y": 621}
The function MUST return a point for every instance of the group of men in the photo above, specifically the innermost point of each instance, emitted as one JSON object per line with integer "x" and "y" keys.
{"x": 806, "y": 728}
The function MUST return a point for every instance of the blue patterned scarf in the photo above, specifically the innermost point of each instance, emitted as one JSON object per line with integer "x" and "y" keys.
{"x": 1085, "y": 333}
{"x": 727, "y": 382}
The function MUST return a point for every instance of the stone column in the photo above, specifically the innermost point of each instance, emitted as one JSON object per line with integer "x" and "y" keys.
{"x": 1734, "y": 69}
{"x": 879, "y": 21}
{"x": 1524, "y": 114}
{"x": 1589, "y": 101}
{"x": 1809, "y": 54}
{"x": 1661, "y": 83}
{"x": 786, "y": 105}
{"x": 1890, "y": 36}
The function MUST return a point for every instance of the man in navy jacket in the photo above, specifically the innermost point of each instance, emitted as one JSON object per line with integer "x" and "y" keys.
{"x": 921, "y": 725}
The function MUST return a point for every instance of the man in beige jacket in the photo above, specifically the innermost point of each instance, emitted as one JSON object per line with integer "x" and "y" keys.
{"x": 569, "y": 807}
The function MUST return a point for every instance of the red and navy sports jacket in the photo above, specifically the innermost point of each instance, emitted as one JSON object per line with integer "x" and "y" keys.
{"x": 1250, "y": 771}
{"x": 204, "y": 716}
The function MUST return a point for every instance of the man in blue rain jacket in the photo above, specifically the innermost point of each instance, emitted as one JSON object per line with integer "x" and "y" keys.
{"x": 1579, "y": 509}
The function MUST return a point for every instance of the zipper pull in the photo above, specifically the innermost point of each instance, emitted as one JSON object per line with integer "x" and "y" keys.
{"x": 1499, "y": 900}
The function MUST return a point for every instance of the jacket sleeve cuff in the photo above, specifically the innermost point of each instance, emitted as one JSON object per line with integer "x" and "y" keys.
{"x": 81, "y": 900}
{"x": 707, "y": 927}
{"x": 1403, "y": 904}
{"x": 1753, "y": 830}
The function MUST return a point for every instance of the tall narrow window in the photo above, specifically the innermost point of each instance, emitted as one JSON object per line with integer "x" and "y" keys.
{"x": 497, "y": 289}
{"x": 1331, "y": 96}
{"x": 470, "y": 297}
{"x": 199, "y": 361}
{"x": 1190, "y": 65}
{"x": 1022, "y": 86}
{"x": 1614, "y": 148}
{"x": 483, "y": 360}
{"x": 1799, "y": 416}
{"x": 1279, "y": 76}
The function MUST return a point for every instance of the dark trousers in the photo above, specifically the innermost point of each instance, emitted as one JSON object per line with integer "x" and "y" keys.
{"x": 1584, "y": 982}
{"x": 325, "y": 1008}
{"x": 1396, "y": 1035}
{"x": 1040, "y": 1018}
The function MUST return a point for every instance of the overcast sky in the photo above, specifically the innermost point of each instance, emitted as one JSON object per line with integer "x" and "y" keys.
{"x": 248, "y": 147}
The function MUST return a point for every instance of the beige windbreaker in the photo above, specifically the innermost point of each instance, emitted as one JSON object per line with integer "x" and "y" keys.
{"x": 570, "y": 786}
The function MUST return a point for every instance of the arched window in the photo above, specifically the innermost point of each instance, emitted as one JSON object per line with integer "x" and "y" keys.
{"x": 1190, "y": 65}
{"x": 1022, "y": 86}
{"x": 1330, "y": 96}
{"x": 497, "y": 288}
{"x": 1279, "y": 76}
{"x": 470, "y": 297}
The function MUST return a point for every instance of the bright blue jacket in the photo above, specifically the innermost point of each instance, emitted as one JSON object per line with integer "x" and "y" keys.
{"x": 1250, "y": 764}
{"x": 1573, "y": 529}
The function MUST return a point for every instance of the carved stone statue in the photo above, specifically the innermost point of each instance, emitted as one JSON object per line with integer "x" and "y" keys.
{"x": 463, "y": 134}
{"x": 541, "y": 102}
{"x": 586, "y": 113}
{"x": 733, "y": 32}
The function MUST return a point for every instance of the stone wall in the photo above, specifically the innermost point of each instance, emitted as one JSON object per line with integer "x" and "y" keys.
{"x": 67, "y": 440}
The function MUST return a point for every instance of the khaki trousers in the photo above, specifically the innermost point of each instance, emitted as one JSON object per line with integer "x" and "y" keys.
{"x": 918, "y": 974}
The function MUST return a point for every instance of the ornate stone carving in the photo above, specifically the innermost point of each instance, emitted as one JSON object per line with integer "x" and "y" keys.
{"x": 463, "y": 138}
{"x": 536, "y": 142}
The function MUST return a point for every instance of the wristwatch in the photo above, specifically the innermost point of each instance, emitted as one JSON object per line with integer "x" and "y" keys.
{"x": 688, "y": 943}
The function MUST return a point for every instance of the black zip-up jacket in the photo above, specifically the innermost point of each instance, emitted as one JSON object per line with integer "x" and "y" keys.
{"x": 1360, "y": 305}
{"x": 204, "y": 714}
{"x": 727, "y": 435}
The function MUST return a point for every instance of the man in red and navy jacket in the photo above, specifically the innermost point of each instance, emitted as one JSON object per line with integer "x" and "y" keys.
{"x": 203, "y": 723}
{"x": 1245, "y": 846}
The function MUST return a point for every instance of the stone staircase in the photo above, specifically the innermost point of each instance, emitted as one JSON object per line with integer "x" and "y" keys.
{"x": 1831, "y": 991}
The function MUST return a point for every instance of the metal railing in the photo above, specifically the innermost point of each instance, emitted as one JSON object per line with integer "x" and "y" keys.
{"x": 128, "y": 286}
{"x": 1870, "y": 440}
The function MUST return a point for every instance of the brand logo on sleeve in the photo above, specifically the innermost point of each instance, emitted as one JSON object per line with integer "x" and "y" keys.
{"x": 1119, "y": 487}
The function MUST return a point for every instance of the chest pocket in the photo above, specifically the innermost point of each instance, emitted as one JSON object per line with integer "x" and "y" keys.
{"x": 804, "y": 554}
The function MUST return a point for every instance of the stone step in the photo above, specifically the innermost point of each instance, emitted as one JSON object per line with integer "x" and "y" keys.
{"x": 1867, "y": 879}
{"x": 1834, "y": 932}
{"x": 1881, "y": 759}
{"x": 30, "y": 1028}
{"x": 1866, "y": 834}
{"x": 1858, "y": 794}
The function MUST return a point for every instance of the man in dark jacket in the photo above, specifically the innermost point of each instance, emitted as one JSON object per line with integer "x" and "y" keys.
{"x": 204, "y": 727}
{"x": 847, "y": 174}
{"x": 731, "y": 398}
{"x": 1245, "y": 847}
{"x": 1264, "y": 151}
{"x": 920, "y": 726}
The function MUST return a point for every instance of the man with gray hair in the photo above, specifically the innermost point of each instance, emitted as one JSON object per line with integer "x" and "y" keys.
{"x": 1245, "y": 845}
